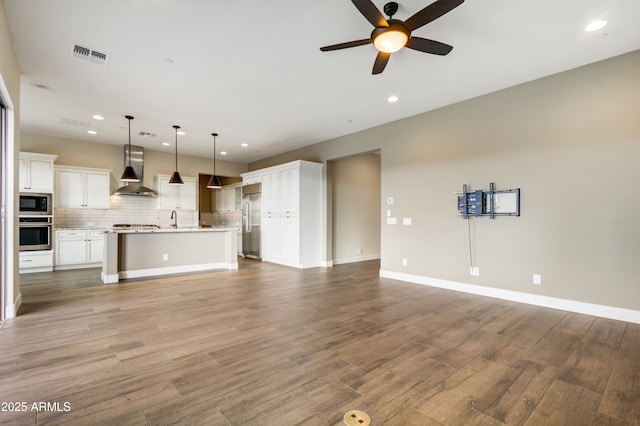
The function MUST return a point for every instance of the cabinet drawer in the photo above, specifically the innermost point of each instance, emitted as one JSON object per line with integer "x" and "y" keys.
{"x": 36, "y": 259}
{"x": 68, "y": 235}
{"x": 94, "y": 234}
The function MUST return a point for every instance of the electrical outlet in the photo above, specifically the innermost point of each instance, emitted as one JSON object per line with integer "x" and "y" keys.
{"x": 475, "y": 271}
{"x": 165, "y": 257}
{"x": 89, "y": 223}
{"x": 404, "y": 261}
{"x": 537, "y": 279}
{"x": 356, "y": 418}
{"x": 359, "y": 251}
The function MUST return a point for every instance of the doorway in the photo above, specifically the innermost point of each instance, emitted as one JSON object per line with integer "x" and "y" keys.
{"x": 355, "y": 207}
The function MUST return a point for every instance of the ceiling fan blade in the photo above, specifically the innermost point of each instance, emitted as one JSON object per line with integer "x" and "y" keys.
{"x": 381, "y": 62}
{"x": 428, "y": 46}
{"x": 371, "y": 12}
{"x": 346, "y": 45}
{"x": 431, "y": 13}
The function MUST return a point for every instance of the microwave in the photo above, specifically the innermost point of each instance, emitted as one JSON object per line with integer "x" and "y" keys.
{"x": 35, "y": 204}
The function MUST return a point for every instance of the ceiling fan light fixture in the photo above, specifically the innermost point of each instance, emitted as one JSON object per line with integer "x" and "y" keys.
{"x": 390, "y": 41}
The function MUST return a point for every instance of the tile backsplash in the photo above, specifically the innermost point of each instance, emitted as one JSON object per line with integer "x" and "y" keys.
{"x": 123, "y": 209}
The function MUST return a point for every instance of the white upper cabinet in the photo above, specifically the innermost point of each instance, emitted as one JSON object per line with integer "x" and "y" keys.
{"x": 227, "y": 198}
{"x": 174, "y": 197}
{"x": 82, "y": 188}
{"x": 36, "y": 172}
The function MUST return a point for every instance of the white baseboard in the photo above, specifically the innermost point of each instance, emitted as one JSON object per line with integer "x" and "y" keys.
{"x": 34, "y": 270}
{"x": 139, "y": 273}
{"x": 611, "y": 312}
{"x": 326, "y": 263}
{"x": 356, "y": 259}
{"x": 12, "y": 310}
{"x": 78, "y": 266}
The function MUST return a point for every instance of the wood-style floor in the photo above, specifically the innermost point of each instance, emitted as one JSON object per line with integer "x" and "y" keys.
{"x": 271, "y": 345}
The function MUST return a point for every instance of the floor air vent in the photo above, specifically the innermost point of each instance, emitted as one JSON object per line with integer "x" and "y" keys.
{"x": 88, "y": 54}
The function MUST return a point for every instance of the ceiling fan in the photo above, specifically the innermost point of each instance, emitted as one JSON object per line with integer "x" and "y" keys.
{"x": 391, "y": 35}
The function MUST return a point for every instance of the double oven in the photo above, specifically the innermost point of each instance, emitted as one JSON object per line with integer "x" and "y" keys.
{"x": 36, "y": 222}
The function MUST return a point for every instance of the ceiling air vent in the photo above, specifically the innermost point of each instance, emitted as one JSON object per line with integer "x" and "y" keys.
{"x": 88, "y": 54}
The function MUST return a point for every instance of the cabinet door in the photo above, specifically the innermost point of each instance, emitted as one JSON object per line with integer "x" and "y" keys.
{"x": 71, "y": 252}
{"x": 97, "y": 190}
{"x": 40, "y": 175}
{"x": 167, "y": 194}
{"x": 95, "y": 248}
{"x": 267, "y": 190}
{"x": 290, "y": 238}
{"x": 23, "y": 176}
{"x": 69, "y": 188}
{"x": 188, "y": 194}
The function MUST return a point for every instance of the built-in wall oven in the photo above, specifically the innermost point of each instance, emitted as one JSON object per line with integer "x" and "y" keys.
{"x": 35, "y": 232}
{"x": 35, "y": 204}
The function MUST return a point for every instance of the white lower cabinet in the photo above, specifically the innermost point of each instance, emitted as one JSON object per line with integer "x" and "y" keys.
{"x": 36, "y": 261}
{"x": 78, "y": 248}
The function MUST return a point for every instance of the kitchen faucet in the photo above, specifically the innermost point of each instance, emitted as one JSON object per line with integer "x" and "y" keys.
{"x": 174, "y": 216}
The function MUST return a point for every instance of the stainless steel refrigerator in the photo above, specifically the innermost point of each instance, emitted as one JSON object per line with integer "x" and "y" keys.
{"x": 251, "y": 216}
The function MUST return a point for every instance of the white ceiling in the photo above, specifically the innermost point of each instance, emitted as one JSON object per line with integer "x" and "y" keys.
{"x": 252, "y": 71}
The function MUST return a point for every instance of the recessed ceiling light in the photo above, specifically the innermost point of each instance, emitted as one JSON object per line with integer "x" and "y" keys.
{"x": 181, "y": 133}
{"x": 166, "y": 143}
{"x": 595, "y": 25}
{"x": 92, "y": 132}
{"x": 244, "y": 145}
{"x": 223, "y": 152}
{"x": 392, "y": 99}
{"x": 98, "y": 117}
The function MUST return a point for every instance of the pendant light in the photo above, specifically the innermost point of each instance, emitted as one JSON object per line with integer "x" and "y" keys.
{"x": 129, "y": 174}
{"x": 175, "y": 177}
{"x": 214, "y": 181}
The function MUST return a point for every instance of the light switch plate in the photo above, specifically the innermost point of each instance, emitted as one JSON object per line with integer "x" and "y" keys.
{"x": 392, "y": 221}
{"x": 406, "y": 221}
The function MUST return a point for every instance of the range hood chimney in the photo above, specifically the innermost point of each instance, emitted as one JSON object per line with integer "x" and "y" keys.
{"x": 137, "y": 162}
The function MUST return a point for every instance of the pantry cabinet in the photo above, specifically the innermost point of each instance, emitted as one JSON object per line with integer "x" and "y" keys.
{"x": 176, "y": 197}
{"x": 291, "y": 213}
{"x": 82, "y": 188}
{"x": 36, "y": 172}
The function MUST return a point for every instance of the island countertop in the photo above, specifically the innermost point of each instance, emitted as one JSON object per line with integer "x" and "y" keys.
{"x": 164, "y": 230}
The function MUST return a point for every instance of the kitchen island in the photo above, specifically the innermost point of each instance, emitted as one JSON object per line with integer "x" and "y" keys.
{"x": 151, "y": 252}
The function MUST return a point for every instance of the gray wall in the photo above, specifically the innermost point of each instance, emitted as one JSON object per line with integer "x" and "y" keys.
{"x": 570, "y": 141}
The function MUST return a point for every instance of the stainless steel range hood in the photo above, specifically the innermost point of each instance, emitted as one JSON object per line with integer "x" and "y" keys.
{"x": 137, "y": 162}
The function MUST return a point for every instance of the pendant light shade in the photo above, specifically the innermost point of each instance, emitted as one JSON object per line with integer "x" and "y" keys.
{"x": 214, "y": 181}
{"x": 129, "y": 174}
{"x": 175, "y": 177}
